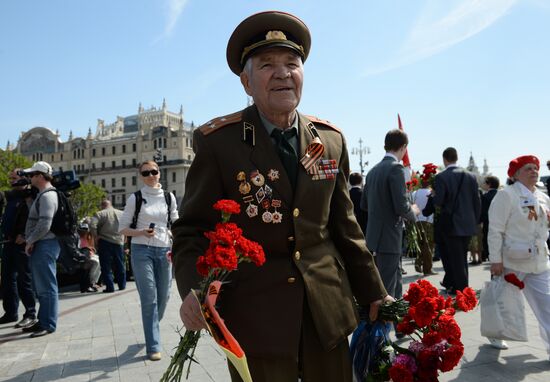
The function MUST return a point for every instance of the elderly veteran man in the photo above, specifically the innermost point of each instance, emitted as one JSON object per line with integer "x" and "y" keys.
{"x": 292, "y": 316}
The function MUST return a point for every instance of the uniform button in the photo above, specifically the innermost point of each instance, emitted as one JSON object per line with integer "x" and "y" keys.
{"x": 296, "y": 212}
{"x": 291, "y": 280}
{"x": 291, "y": 238}
{"x": 297, "y": 255}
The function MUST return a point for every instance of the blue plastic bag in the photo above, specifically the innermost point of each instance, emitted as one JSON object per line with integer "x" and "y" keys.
{"x": 366, "y": 346}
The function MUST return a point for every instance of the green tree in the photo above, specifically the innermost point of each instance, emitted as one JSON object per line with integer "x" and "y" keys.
{"x": 86, "y": 199}
{"x": 9, "y": 161}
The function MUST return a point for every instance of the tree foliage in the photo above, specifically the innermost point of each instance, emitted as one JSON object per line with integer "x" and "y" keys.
{"x": 86, "y": 199}
{"x": 9, "y": 161}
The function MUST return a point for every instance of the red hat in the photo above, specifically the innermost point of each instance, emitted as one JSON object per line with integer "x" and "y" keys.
{"x": 521, "y": 161}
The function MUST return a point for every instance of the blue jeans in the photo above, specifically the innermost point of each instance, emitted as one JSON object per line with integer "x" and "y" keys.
{"x": 153, "y": 276}
{"x": 43, "y": 268}
{"x": 112, "y": 254}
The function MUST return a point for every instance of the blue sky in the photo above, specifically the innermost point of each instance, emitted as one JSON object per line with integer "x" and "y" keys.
{"x": 472, "y": 74}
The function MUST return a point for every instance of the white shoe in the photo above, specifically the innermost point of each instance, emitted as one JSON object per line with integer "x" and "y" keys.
{"x": 498, "y": 344}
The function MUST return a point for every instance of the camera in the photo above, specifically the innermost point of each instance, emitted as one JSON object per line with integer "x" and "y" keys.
{"x": 65, "y": 181}
{"x": 151, "y": 227}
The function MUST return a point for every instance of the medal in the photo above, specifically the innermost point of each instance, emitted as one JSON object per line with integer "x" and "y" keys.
{"x": 252, "y": 210}
{"x": 260, "y": 195}
{"x": 277, "y": 216}
{"x": 268, "y": 191}
{"x": 244, "y": 188}
{"x": 257, "y": 179}
{"x": 267, "y": 217}
{"x": 241, "y": 176}
{"x": 273, "y": 175}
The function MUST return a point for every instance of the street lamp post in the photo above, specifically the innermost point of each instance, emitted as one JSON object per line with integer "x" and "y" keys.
{"x": 361, "y": 151}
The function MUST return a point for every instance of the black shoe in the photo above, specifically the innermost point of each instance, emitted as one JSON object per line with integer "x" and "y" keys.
{"x": 26, "y": 321}
{"x": 108, "y": 291}
{"x": 418, "y": 268}
{"x": 443, "y": 285}
{"x": 436, "y": 259}
{"x": 7, "y": 319}
{"x": 431, "y": 273}
{"x": 40, "y": 333}
{"x": 33, "y": 328}
{"x": 403, "y": 272}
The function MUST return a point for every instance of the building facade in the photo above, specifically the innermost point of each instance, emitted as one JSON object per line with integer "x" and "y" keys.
{"x": 110, "y": 158}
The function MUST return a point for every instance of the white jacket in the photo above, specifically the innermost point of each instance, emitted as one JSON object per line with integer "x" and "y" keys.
{"x": 153, "y": 210}
{"x": 514, "y": 240}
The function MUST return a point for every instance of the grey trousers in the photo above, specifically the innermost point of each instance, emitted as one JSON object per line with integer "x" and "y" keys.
{"x": 390, "y": 272}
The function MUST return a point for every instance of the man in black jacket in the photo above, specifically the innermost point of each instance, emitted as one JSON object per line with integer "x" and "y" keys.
{"x": 16, "y": 272}
{"x": 491, "y": 184}
{"x": 456, "y": 193}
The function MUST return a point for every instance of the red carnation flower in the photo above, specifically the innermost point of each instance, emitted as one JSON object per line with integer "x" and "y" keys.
{"x": 513, "y": 279}
{"x": 431, "y": 338}
{"x": 466, "y": 300}
{"x": 227, "y": 206}
{"x": 400, "y": 373}
{"x": 451, "y": 357}
{"x": 448, "y": 327}
{"x": 424, "y": 312}
{"x": 406, "y": 326}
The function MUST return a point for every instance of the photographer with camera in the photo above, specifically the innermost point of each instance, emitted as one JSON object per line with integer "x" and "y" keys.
{"x": 16, "y": 271}
{"x": 43, "y": 248}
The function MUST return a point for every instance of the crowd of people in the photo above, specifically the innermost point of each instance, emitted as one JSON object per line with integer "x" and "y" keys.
{"x": 329, "y": 248}
{"x": 32, "y": 245}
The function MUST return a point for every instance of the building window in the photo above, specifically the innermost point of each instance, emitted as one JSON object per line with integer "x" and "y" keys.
{"x": 61, "y": 156}
{"x": 123, "y": 182}
{"x": 93, "y": 166}
{"x": 103, "y": 151}
{"x": 164, "y": 143}
{"x": 134, "y": 180}
{"x": 155, "y": 144}
{"x": 173, "y": 177}
{"x": 124, "y": 149}
{"x": 103, "y": 165}
{"x": 114, "y": 150}
{"x": 113, "y": 182}
{"x": 103, "y": 183}
{"x": 134, "y": 147}
{"x": 134, "y": 164}
{"x": 93, "y": 152}
{"x": 123, "y": 198}
{"x": 113, "y": 164}
{"x": 113, "y": 199}
{"x": 52, "y": 158}
{"x": 93, "y": 182}
{"x": 123, "y": 163}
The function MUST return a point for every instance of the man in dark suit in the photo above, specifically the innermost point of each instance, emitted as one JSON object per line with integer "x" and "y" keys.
{"x": 292, "y": 315}
{"x": 491, "y": 184}
{"x": 384, "y": 197}
{"x": 456, "y": 194}
{"x": 355, "y": 191}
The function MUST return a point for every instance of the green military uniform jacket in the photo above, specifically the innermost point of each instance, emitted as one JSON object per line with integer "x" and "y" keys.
{"x": 317, "y": 251}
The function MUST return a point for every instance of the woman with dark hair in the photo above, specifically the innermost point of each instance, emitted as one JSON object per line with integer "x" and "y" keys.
{"x": 151, "y": 243}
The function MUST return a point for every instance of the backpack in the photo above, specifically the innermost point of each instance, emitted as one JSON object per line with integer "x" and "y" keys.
{"x": 63, "y": 226}
{"x": 64, "y": 221}
{"x": 139, "y": 202}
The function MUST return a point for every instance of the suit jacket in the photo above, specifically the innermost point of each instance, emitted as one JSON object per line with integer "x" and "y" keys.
{"x": 361, "y": 215}
{"x": 316, "y": 253}
{"x": 486, "y": 200}
{"x": 466, "y": 210}
{"x": 384, "y": 197}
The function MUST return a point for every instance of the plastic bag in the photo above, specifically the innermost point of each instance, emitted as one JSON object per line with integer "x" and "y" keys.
{"x": 502, "y": 311}
{"x": 366, "y": 348}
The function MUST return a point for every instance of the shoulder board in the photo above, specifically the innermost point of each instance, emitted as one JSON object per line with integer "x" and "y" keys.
{"x": 217, "y": 123}
{"x": 324, "y": 122}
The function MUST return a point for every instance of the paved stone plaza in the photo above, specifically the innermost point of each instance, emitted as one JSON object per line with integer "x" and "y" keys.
{"x": 99, "y": 338}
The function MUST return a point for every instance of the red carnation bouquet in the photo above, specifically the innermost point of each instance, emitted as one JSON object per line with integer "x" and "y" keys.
{"x": 428, "y": 174}
{"x": 228, "y": 248}
{"x": 513, "y": 279}
{"x": 428, "y": 319}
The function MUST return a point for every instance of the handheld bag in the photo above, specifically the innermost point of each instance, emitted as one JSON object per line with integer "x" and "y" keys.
{"x": 502, "y": 311}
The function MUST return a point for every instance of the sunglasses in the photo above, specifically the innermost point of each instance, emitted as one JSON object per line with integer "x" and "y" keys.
{"x": 146, "y": 173}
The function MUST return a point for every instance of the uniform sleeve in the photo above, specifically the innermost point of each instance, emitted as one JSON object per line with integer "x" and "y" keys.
{"x": 203, "y": 187}
{"x": 128, "y": 213}
{"x": 499, "y": 214}
{"x": 349, "y": 240}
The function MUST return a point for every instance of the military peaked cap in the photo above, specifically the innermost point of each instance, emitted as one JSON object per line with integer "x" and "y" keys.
{"x": 264, "y": 30}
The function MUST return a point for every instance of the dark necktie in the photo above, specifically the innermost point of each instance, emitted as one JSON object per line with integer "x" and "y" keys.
{"x": 287, "y": 153}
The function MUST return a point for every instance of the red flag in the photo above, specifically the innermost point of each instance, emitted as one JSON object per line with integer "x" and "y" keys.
{"x": 406, "y": 161}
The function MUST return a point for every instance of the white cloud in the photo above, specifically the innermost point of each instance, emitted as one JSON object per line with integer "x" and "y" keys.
{"x": 431, "y": 35}
{"x": 174, "y": 9}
